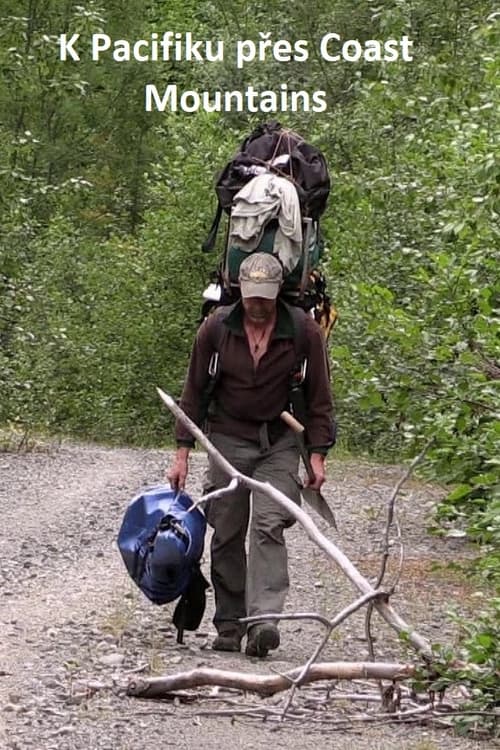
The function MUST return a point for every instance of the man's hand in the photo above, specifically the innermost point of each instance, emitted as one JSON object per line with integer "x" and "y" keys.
{"x": 318, "y": 466}
{"x": 178, "y": 472}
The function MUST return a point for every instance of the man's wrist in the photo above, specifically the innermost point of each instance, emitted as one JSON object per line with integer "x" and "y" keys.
{"x": 318, "y": 455}
{"x": 182, "y": 452}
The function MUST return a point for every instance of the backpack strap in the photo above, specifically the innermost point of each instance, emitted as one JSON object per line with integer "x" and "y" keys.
{"x": 213, "y": 371}
{"x": 209, "y": 243}
{"x": 298, "y": 406}
{"x": 301, "y": 341}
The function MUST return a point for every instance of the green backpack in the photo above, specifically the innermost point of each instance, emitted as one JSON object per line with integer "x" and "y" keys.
{"x": 297, "y": 282}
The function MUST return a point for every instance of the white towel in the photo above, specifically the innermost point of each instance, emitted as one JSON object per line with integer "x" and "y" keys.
{"x": 263, "y": 198}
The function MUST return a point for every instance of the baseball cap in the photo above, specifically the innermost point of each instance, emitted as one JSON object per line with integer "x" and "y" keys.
{"x": 261, "y": 275}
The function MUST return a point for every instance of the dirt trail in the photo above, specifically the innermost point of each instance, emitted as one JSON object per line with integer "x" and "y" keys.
{"x": 69, "y": 615}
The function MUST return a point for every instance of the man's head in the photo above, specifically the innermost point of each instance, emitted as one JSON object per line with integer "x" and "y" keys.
{"x": 260, "y": 279}
{"x": 261, "y": 275}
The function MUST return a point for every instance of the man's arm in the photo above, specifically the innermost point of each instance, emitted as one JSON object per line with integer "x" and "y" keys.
{"x": 319, "y": 403}
{"x": 195, "y": 382}
{"x": 318, "y": 393}
{"x": 190, "y": 403}
{"x": 177, "y": 473}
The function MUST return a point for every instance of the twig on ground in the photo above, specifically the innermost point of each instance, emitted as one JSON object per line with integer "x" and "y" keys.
{"x": 391, "y": 519}
{"x": 330, "y": 626}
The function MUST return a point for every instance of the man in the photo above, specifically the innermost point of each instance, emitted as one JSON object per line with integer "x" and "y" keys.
{"x": 257, "y": 356}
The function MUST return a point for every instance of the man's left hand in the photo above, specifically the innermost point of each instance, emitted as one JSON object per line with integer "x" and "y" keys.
{"x": 318, "y": 466}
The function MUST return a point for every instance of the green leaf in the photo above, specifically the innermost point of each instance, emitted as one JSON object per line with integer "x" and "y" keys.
{"x": 459, "y": 492}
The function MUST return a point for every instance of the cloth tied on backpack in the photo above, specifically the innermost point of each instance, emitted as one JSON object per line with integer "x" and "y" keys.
{"x": 265, "y": 197}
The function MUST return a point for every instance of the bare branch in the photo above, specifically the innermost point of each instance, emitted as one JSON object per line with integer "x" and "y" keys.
{"x": 333, "y": 552}
{"x": 161, "y": 687}
{"x": 330, "y": 625}
{"x": 216, "y": 494}
{"x": 288, "y": 616}
{"x": 391, "y": 519}
{"x": 369, "y": 638}
{"x": 392, "y": 504}
{"x": 392, "y": 588}
{"x": 304, "y": 672}
{"x": 385, "y": 609}
{"x": 337, "y": 620}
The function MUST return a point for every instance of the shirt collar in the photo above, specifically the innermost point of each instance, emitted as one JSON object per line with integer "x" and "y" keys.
{"x": 284, "y": 329}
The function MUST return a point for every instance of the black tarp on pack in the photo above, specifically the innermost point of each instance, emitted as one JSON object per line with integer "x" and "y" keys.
{"x": 272, "y": 148}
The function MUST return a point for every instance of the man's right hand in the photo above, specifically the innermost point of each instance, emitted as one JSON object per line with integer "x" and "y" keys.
{"x": 177, "y": 474}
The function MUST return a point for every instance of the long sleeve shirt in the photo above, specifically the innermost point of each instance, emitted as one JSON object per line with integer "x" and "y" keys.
{"x": 246, "y": 396}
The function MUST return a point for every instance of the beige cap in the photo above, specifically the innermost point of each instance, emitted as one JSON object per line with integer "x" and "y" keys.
{"x": 261, "y": 275}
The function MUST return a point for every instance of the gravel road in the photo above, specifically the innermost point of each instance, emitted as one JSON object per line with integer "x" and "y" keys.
{"x": 74, "y": 628}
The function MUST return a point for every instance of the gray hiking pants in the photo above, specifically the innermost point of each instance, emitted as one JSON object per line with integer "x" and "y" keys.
{"x": 258, "y": 585}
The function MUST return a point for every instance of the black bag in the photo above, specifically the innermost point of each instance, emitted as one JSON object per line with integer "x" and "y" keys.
{"x": 275, "y": 149}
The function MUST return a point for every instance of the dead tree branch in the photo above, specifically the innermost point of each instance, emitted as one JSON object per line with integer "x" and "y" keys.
{"x": 391, "y": 520}
{"x": 391, "y": 509}
{"x": 161, "y": 687}
{"x": 330, "y": 625}
{"x": 333, "y": 552}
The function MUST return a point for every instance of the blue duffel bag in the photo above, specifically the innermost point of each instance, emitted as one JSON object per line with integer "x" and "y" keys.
{"x": 161, "y": 544}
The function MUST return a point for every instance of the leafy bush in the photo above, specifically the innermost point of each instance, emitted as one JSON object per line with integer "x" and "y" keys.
{"x": 473, "y": 663}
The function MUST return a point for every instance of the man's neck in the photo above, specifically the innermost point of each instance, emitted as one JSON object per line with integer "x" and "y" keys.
{"x": 259, "y": 325}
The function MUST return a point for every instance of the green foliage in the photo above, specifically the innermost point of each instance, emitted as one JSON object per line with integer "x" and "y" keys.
{"x": 478, "y": 509}
{"x": 414, "y": 263}
{"x": 473, "y": 663}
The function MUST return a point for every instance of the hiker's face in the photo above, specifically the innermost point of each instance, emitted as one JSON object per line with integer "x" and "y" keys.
{"x": 259, "y": 310}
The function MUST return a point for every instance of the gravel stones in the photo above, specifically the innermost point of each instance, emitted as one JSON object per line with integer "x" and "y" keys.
{"x": 74, "y": 629}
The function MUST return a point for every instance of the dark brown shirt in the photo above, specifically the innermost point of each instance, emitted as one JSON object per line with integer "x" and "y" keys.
{"x": 246, "y": 395}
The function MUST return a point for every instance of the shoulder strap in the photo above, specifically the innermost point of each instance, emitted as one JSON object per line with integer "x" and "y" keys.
{"x": 213, "y": 371}
{"x": 220, "y": 314}
{"x": 296, "y": 394}
{"x": 300, "y": 337}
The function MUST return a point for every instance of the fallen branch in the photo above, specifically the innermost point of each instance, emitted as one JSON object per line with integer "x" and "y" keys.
{"x": 326, "y": 711}
{"x": 162, "y": 687}
{"x": 330, "y": 625}
{"x": 334, "y": 553}
{"x": 391, "y": 510}
{"x": 391, "y": 520}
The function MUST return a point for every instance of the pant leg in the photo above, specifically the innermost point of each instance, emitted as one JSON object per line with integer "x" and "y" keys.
{"x": 228, "y": 516}
{"x": 267, "y": 577}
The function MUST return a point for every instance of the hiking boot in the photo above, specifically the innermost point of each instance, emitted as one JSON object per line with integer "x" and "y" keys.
{"x": 261, "y": 639}
{"x": 228, "y": 641}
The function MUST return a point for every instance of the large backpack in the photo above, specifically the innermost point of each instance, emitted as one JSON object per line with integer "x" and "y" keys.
{"x": 279, "y": 162}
